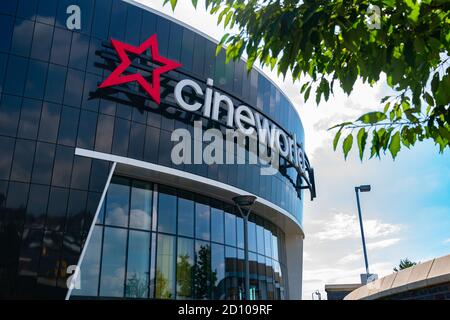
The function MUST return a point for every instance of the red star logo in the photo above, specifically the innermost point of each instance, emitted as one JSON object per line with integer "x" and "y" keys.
{"x": 117, "y": 76}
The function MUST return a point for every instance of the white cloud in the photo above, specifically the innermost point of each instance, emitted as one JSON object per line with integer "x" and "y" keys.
{"x": 382, "y": 243}
{"x": 345, "y": 226}
{"x": 446, "y": 241}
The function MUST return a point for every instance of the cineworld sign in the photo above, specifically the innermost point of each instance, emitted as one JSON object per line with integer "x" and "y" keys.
{"x": 215, "y": 105}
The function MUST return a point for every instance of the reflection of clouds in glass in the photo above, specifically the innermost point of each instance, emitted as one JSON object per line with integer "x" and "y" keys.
{"x": 117, "y": 215}
{"x": 140, "y": 218}
{"x": 112, "y": 283}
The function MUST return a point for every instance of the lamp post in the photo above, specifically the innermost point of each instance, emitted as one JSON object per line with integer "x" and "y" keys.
{"x": 244, "y": 204}
{"x": 362, "y": 188}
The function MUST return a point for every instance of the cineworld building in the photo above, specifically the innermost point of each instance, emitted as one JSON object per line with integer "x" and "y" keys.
{"x": 125, "y": 146}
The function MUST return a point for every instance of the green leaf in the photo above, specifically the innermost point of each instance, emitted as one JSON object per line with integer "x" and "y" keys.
{"x": 362, "y": 138}
{"x": 194, "y": 3}
{"x": 173, "y": 3}
{"x": 336, "y": 138}
{"x": 429, "y": 99}
{"x": 394, "y": 146}
{"x": 347, "y": 145}
{"x": 372, "y": 117}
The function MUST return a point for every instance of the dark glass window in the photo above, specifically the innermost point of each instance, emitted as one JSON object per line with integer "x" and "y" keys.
{"x": 133, "y": 27}
{"x": 61, "y": 47}
{"x": 50, "y": 262}
{"x": 9, "y": 115}
{"x": 15, "y": 75}
{"x": 162, "y": 29}
{"x": 167, "y": 211}
{"x": 148, "y": 26}
{"x": 63, "y": 166}
{"x": 86, "y": 129}
{"x": 8, "y": 7}
{"x": 217, "y": 225}
{"x": 232, "y": 290}
{"x": 118, "y": 202}
{"x": 76, "y": 209}
{"x": 90, "y": 267}
{"x": 43, "y": 163}
{"x": 3, "y": 64}
{"x": 68, "y": 126}
{"x": 185, "y": 268}
{"x": 121, "y": 136}
{"x": 6, "y": 27}
{"x": 187, "y": 53}
{"x": 118, "y": 20}
{"x": 29, "y": 259}
{"x": 90, "y": 83}
{"x": 141, "y": 205}
{"x": 218, "y": 271}
{"x": 79, "y": 51}
{"x": 137, "y": 138}
{"x": 202, "y": 272}
{"x": 105, "y": 127}
{"x": 176, "y": 36}
{"x": 56, "y": 80}
{"x": 23, "y": 162}
{"x": 47, "y": 11}
{"x": 230, "y": 229}
{"x": 185, "y": 217}
{"x": 48, "y": 128}
{"x": 81, "y": 172}
{"x": 251, "y": 236}
{"x": 152, "y": 136}
{"x": 99, "y": 173}
{"x": 27, "y": 9}
{"x": 240, "y": 232}
{"x": 100, "y": 22}
{"x": 138, "y": 264}
{"x": 113, "y": 263}
{"x": 6, "y": 154}
{"x": 29, "y": 119}
{"x": 202, "y": 221}
{"x": 57, "y": 206}
{"x": 42, "y": 41}
{"x": 35, "y": 84}
{"x": 262, "y": 278}
{"x": 74, "y": 88}
{"x": 21, "y": 40}
{"x": 165, "y": 267}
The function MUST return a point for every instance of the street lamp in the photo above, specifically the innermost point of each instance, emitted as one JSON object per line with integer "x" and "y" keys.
{"x": 362, "y": 188}
{"x": 244, "y": 204}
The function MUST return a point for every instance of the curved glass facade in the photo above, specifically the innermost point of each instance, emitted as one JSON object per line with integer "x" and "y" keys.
{"x": 51, "y": 106}
{"x": 154, "y": 241}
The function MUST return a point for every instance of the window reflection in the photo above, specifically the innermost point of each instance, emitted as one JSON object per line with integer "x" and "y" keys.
{"x": 185, "y": 268}
{"x": 185, "y": 217}
{"x": 165, "y": 267}
{"x": 217, "y": 226}
{"x": 90, "y": 267}
{"x": 113, "y": 262}
{"x": 138, "y": 265}
{"x": 202, "y": 216}
{"x": 117, "y": 203}
{"x": 141, "y": 205}
{"x": 167, "y": 211}
{"x": 218, "y": 270}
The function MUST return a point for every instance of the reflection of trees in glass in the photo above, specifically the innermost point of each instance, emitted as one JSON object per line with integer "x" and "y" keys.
{"x": 184, "y": 276}
{"x": 203, "y": 274}
{"x": 136, "y": 287}
{"x": 162, "y": 286}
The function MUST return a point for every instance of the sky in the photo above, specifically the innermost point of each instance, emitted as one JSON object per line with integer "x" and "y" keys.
{"x": 407, "y": 213}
